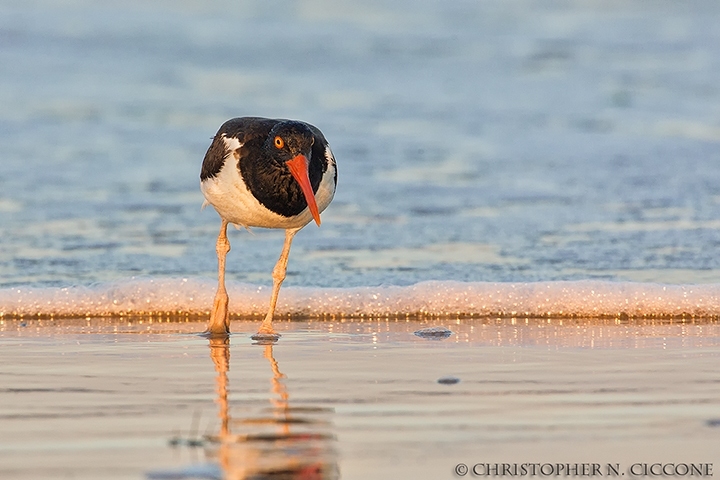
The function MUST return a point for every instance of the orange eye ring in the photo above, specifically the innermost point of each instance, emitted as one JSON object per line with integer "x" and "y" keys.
{"x": 279, "y": 142}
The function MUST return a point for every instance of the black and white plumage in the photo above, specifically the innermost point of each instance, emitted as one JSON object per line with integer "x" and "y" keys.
{"x": 269, "y": 173}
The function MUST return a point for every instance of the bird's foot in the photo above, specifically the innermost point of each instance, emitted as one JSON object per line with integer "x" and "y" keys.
{"x": 265, "y": 338}
{"x": 215, "y": 333}
{"x": 219, "y": 325}
{"x": 266, "y": 334}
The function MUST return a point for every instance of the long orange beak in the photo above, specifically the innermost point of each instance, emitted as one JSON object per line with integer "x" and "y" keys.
{"x": 299, "y": 169}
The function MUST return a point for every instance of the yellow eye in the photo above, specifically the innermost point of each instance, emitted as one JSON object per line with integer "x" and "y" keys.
{"x": 279, "y": 142}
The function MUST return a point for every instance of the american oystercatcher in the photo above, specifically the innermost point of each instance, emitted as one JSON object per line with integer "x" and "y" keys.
{"x": 261, "y": 172}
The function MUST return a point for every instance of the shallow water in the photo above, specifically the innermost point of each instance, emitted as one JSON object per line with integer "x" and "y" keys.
{"x": 126, "y": 398}
{"x": 536, "y": 159}
{"x": 493, "y": 141}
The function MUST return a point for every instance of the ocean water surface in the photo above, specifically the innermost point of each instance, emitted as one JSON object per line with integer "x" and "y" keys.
{"x": 536, "y": 182}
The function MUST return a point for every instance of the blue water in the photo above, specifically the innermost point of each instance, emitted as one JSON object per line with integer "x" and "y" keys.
{"x": 506, "y": 141}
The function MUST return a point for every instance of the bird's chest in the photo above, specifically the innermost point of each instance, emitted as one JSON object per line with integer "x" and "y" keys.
{"x": 235, "y": 198}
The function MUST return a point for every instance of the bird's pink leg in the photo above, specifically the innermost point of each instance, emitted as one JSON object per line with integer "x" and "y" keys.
{"x": 219, "y": 323}
{"x": 278, "y": 274}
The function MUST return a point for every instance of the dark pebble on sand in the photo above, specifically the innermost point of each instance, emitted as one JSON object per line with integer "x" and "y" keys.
{"x": 713, "y": 422}
{"x": 434, "y": 333}
{"x": 448, "y": 380}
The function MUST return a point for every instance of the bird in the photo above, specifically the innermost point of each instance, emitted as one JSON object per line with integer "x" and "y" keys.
{"x": 267, "y": 173}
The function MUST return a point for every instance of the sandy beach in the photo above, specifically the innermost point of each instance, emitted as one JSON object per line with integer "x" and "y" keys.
{"x": 508, "y": 158}
{"x": 142, "y": 398}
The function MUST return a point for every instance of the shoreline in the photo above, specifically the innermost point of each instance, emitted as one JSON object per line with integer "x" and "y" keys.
{"x": 370, "y": 399}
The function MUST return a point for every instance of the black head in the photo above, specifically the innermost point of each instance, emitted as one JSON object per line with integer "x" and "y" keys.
{"x": 289, "y": 139}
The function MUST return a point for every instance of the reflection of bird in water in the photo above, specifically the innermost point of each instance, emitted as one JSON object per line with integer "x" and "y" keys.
{"x": 282, "y": 442}
{"x": 260, "y": 172}
{"x": 220, "y": 354}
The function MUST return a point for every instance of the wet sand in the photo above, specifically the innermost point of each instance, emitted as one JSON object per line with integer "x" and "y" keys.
{"x": 122, "y": 398}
